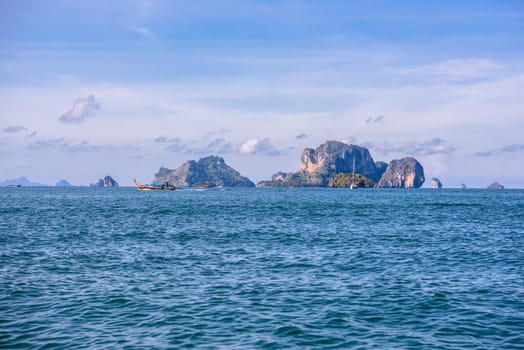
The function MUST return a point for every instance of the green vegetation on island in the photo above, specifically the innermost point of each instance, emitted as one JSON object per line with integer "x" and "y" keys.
{"x": 351, "y": 181}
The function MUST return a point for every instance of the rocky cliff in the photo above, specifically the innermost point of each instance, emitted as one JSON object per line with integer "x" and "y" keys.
{"x": 381, "y": 168}
{"x": 403, "y": 173}
{"x": 211, "y": 171}
{"x": 435, "y": 183}
{"x": 334, "y": 157}
{"x": 495, "y": 186}
{"x": 320, "y": 167}
{"x": 107, "y": 181}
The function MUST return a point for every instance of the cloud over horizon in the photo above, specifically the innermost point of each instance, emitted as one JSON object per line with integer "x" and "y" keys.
{"x": 257, "y": 146}
{"x": 178, "y": 145}
{"x": 66, "y": 145}
{"x": 512, "y": 148}
{"x": 83, "y": 108}
{"x": 426, "y": 148}
{"x": 458, "y": 69}
{"x": 13, "y": 129}
{"x": 48, "y": 143}
{"x": 219, "y": 146}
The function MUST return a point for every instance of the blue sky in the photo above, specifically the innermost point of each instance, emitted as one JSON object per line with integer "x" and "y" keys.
{"x": 90, "y": 88}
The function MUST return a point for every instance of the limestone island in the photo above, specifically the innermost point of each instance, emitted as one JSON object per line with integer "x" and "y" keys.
{"x": 495, "y": 186}
{"x": 338, "y": 164}
{"x": 107, "y": 181}
{"x": 207, "y": 172}
{"x": 19, "y": 182}
{"x": 62, "y": 183}
{"x": 435, "y": 183}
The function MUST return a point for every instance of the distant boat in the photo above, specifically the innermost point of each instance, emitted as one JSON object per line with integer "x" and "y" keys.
{"x": 15, "y": 185}
{"x": 203, "y": 185}
{"x": 158, "y": 187}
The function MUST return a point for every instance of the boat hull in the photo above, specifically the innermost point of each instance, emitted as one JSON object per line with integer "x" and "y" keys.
{"x": 153, "y": 188}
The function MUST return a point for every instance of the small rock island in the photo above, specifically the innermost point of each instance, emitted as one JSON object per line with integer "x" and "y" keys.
{"x": 435, "y": 183}
{"x": 62, "y": 183}
{"x": 495, "y": 186}
{"x": 107, "y": 181}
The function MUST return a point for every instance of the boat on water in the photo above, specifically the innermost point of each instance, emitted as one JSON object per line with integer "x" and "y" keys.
{"x": 15, "y": 185}
{"x": 155, "y": 187}
{"x": 203, "y": 185}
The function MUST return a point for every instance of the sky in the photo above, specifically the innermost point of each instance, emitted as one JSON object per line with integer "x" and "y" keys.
{"x": 121, "y": 88}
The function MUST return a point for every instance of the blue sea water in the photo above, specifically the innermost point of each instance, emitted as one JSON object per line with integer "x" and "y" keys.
{"x": 89, "y": 268}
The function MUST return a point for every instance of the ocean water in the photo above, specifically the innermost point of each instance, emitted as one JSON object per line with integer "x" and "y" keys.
{"x": 87, "y": 268}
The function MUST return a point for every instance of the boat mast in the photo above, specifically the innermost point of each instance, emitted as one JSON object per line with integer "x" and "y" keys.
{"x": 353, "y": 174}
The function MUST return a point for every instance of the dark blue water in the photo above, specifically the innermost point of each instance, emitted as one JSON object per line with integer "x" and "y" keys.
{"x": 261, "y": 268}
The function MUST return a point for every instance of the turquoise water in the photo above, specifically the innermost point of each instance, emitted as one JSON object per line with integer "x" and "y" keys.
{"x": 261, "y": 268}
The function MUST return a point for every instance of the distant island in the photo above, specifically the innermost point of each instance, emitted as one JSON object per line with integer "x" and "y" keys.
{"x": 22, "y": 181}
{"x": 337, "y": 164}
{"x": 107, "y": 181}
{"x": 435, "y": 183}
{"x": 495, "y": 186}
{"x": 332, "y": 164}
{"x": 211, "y": 171}
{"x": 62, "y": 183}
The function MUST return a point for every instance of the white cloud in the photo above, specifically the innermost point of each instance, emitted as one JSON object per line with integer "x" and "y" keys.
{"x": 250, "y": 146}
{"x": 349, "y": 140}
{"x": 49, "y": 143}
{"x": 83, "y": 108}
{"x": 219, "y": 146}
{"x": 424, "y": 148}
{"x": 432, "y": 147}
{"x": 215, "y": 133}
{"x": 458, "y": 69}
{"x": 175, "y": 145}
{"x": 257, "y": 146}
{"x": 66, "y": 145}
{"x": 512, "y": 148}
{"x": 145, "y": 32}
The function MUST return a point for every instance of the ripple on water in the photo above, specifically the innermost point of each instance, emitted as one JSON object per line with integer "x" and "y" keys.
{"x": 297, "y": 268}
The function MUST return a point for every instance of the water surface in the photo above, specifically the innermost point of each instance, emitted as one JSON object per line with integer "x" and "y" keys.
{"x": 261, "y": 268}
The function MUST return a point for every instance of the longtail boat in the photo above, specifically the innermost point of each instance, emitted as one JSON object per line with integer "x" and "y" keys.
{"x": 159, "y": 187}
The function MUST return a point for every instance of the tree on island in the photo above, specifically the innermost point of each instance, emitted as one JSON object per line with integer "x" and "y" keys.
{"x": 348, "y": 180}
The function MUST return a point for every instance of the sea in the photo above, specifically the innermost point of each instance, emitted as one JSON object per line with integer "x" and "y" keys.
{"x": 272, "y": 268}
